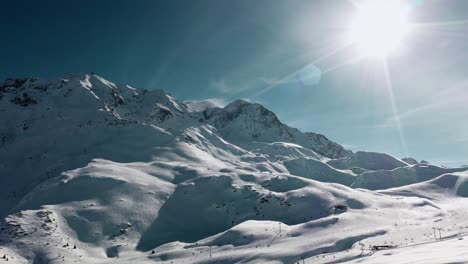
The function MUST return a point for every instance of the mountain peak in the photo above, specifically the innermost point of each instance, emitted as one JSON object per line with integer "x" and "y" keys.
{"x": 246, "y": 123}
{"x": 241, "y": 102}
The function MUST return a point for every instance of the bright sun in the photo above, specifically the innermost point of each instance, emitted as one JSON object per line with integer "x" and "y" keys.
{"x": 379, "y": 27}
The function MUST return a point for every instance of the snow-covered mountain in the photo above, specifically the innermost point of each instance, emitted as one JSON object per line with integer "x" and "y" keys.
{"x": 94, "y": 172}
{"x": 248, "y": 124}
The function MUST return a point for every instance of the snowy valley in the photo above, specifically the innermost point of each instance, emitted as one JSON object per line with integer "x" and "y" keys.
{"x": 94, "y": 172}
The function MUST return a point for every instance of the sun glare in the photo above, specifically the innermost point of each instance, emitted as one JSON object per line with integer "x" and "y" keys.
{"x": 379, "y": 27}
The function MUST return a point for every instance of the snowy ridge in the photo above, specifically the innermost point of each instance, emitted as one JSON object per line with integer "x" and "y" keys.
{"x": 245, "y": 124}
{"x": 95, "y": 172}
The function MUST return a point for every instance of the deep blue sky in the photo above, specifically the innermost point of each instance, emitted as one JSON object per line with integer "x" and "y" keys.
{"x": 224, "y": 49}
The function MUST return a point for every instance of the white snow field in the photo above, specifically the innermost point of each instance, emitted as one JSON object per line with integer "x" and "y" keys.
{"x": 93, "y": 172}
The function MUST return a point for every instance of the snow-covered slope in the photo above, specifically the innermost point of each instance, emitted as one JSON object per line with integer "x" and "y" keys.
{"x": 368, "y": 161}
{"x": 384, "y": 179}
{"x": 94, "y": 172}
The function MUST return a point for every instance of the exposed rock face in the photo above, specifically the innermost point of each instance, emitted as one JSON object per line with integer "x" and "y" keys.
{"x": 24, "y": 100}
{"x": 410, "y": 161}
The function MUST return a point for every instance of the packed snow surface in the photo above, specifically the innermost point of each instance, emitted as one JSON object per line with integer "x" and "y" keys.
{"x": 94, "y": 172}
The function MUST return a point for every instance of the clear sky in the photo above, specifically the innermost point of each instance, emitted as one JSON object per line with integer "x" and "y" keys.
{"x": 288, "y": 55}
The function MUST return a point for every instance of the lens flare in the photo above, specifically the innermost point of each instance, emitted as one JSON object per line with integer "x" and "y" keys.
{"x": 380, "y": 27}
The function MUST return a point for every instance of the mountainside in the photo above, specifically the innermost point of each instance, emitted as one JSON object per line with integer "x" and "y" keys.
{"x": 97, "y": 172}
{"x": 85, "y": 116}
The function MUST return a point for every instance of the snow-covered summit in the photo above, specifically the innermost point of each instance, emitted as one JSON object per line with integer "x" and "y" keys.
{"x": 246, "y": 123}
